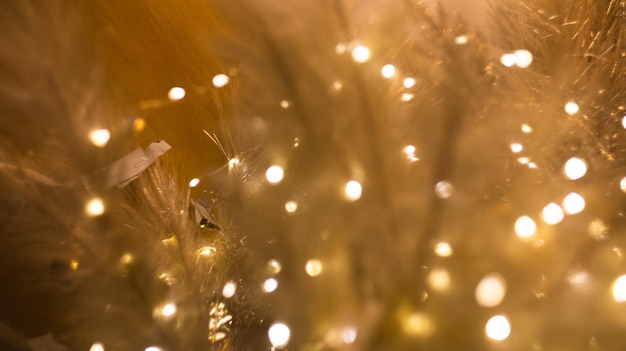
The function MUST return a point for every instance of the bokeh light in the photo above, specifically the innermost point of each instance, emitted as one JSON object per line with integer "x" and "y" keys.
{"x": 461, "y": 40}
{"x": 220, "y": 80}
{"x": 619, "y": 289}
{"x": 229, "y": 290}
{"x": 270, "y": 285}
{"x": 408, "y": 82}
{"x": 360, "y": 54}
{"x": 418, "y": 324}
{"x": 575, "y": 168}
{"x": 353, "y": 190}
{"x": 573, "y": 203}
{"x": 571, "y": 108}
{"x": 507, "y": 60}
{"x": 491, "y": 290}
{"x": 291, "y": 206}
{"x": 552, "y": 214}
{"x": 274, "y": 174}
{"x": 523, "y": 58}
{"x": 439, "y": 279}
{"x": 313, "y": 267}
{"x": 498, "y": 328}
{"x": 168, "y": 310}
{"x": 95, "y": 207}
{"x": 194, "y": 182}
{"x": 444, "y": 189}
{"x": 96, "y": 347}
{"x": 516, "y": 147}
{"x": 525, "y": 227}
{"x": 279, "y": 334}
{"x": 443, "y": 249}
{"x": 176, "y": 93}
{"x": 388, "y": 71}
{"x": 100, "y": 137}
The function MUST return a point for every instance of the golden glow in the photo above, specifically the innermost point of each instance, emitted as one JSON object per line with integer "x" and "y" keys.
{"x": 176, "y": 93}
{"x": 337, "y": 85}
{"x": 491, "y": 290}
{"x": 96, "y": 347}
{"x": 279, "y": 334}
{"x": 285, "y": 104}
{"x": 598, "y": 230}
{"x": 409, "y": 152}
{"x": 389, "y": 71}
{"x": 439, "y": 279}
{"x": 525, "y": 227}
{"x": 408, "y": 82}
{"x": 194, "y": 182}
{"x": 139, "y": 124}
{"x": 291, "y": 206}
{"x": 523, "y": 58}
{"x": 444, "y": 189}
{"x": 552, "y": 214}
{"x": 619, "y": 289}
{"x": 507, "y": 60}
{"x": 361, "y": 54}
{"x": 418, "y": 324}
{"x": 313, "y": 267}
{"x": 274, "y": 174}
{"x": 126, "y": 258}
{"x": 443, "y": 249}
{"x": 578, "y": 278}
{"x": 571, "y": 108}
{"x": 516, "y": 147}
{"x": 622, "y": 184}
{"x": 100, "y": 137}
{"x": 207, "y": 251}
{"x": 624, "y": 122}
{"x": 526, "y": 129}
{"x": 220, "y": 80}
{"x": 498, "y": 328}
{"x": 168, "y": 310}
{"x": 575, "y": 168}
{"x": 340, "y": 48}
{"x": 274, "y": 266}
{"x": 406, "y": 97}
{"x": 523, "y": 160}
{"x": 573, "y": 203}
{"x": 270, "y": 285}
{"x": 74, "y": 264}
{"x": 461, "y": 40}
{"x": 353, "y": 190}
{"x": 95, "y": 207}
{"x": 348, "y": 335}
{"x": 232, "y": 163}
{"x": 229, "y": 290}
{"x": 153, "y": 348}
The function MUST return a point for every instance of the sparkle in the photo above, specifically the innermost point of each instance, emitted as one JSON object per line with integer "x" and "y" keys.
{"x": 96, "y": 347}
{"x": 443, "y": 249}
{"x": 176, "y": 93}
{"x": 220, "y": 80}
{"x": 274, "y": 174}
{"x": 313, "y": 267}
{"x": 207, "y": 251}
{"x": 619, "y": 289}
{"x": 360, "y": 54}
{"x": 516, "y": 147}
{"x": 95, "y": 207}
{"x": 407, "y": 97}
{"x": 525, "y": 227}
{"x": 444, "y": 189}
{"x": 168, "y": 310}
{"x": 461, "y": 40}
{"x": 232, "y": 163}
{"x": 100, "y": 137}
{"x": 389, "y": 71}
{"x": 523, "y": 58}
{"x": 291, "y": 206}
{"x": 507, "y": 60}
{"x": 552, "y": 214}
{"x": 573, "y": 203}
{"x": 229, "y": 289}
{"x": 279, "y": 334}
{"x": 491, "y": 290}
{"x": 409, "y": 152}
{"x": 194, "y": 182}
{"x": 571, "y": 108}
{"x": 270, "y": 285}
{"x": 408, "y": 82}
{"x": 498, "y": 328}
{"x": 575, "y": 168}
{"x": 353, "y": 190}
{"x": 526, "y": 129}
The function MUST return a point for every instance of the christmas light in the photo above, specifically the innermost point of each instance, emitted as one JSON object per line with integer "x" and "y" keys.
{"x": 523, "y": 58}
{"x": 498, "y": 328}
{"x": 575, "y": 168}
{"x": 409, "y": 152}
{"x": 313, "y": 267}
{"x": 207, "y": 251}
{"x": 291, "y": 206}
{"x": 571, "y": 108}
{"x": 176, "y": 93}
{"x": 525, "y": 227}
{"x": 407, "y": 97}
{"x": 622, "y": 184}
{"x": 526, "y": 129}
{"x": 353, "y": 190}
{"x": 516, "y": 147}
{"x": 491, "y": 290}
{"x": 408, "y": 82}
{"x": 507, "y": 60}
{"x": 168, "y": 310}
{"x": 270, "y": 285}
{"x": 96, "y": 347}
{"x": 220, "y": 80}
{"x": 552, "y": 214}
{"x": 229, "y": 290}
{"x": 279, "y": 334}
{"x": 95, "y": 207}
{"x": 444, "y": 189}
{"x": 274, "y": 174}
{"x": 100, "y": 137}
{"x": 360, "y": 54}
{"x": 232, "y": 163}
{"x": 443, "y": 249}
{"x": 573, "y": 203}
{"x": 389, "y": 71}
{"x": 619, "y": 289}
{"x": 194, "y": 182}
{"x": 461, "y": 40}
{"x": 523, "y": 160}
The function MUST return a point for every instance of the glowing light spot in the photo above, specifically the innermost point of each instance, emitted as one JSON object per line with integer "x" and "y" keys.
{"x": 389, "y": 71}
{"x": 176, "y": 93}
{"x": 168, "y": 310}
{"x": 353, "y": 190}
{"x": 624, "y": 122}
{"x": 578, "y": 278}
{"x": 573, "y": 203}
{"x": 274, "y": 266}
{"x": 279, "y": 334}
{"x": 491, "y": 290}
{"x": 523, "y": 58}
{"x": 498, "y": 328}
{"x": 274, "y": 174}
{"x": 139, "y": 124}
{"x": 461, "y": 40}
{"x": 220, "y": 80}
{"x": 408, "y": 82}
{"x": 525, "y": 227}
{"x": 296, "y": 142}
{"x": 194, "y": 182}
{"x": 270, "y": 285}
{"x": 532, "y": 165}
{"x": 126, "y": 258}
{"x": 439, "y": 279}
{"x": 153, "y": 348}
{"x": 229, "y": 289}
{"x": 233, "y": 163}
{"x": 361, "y": 54}
{"x": 207, "y": 251}
{"x": 552, "y": 214}
{"x": 575, "y": 168}
{"x": 95, "y": 207}
{"x": 409, "y": 152}
{"x": 407, "y": 97}
{"x": 291, "y": 206}
{"x": 526, "y": 129}
{"x": 337, "y": 85}
{"x": 619, "y": 289}
{"x": 340, "y": 48}
{"x": 73, "y": 264}
{"x": 313, "y": 267}
{"x": 516, "y": 147}
{"x": 285, "y": 104}
{"x": 507, "y": 60}
{"x": 622, "y": 184}
{"x": 418, "y": 324}
{"x": 571, "y": 108}
{"x": 443, "y": 249}
{"x": 523, "y": 160}
{"x": 100, "y": 137}
{"x": 348, "y": 335}
{"x": 96, "y": 347}
{"x": 598, "y": 230}
{"x": 444, "y": 189}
